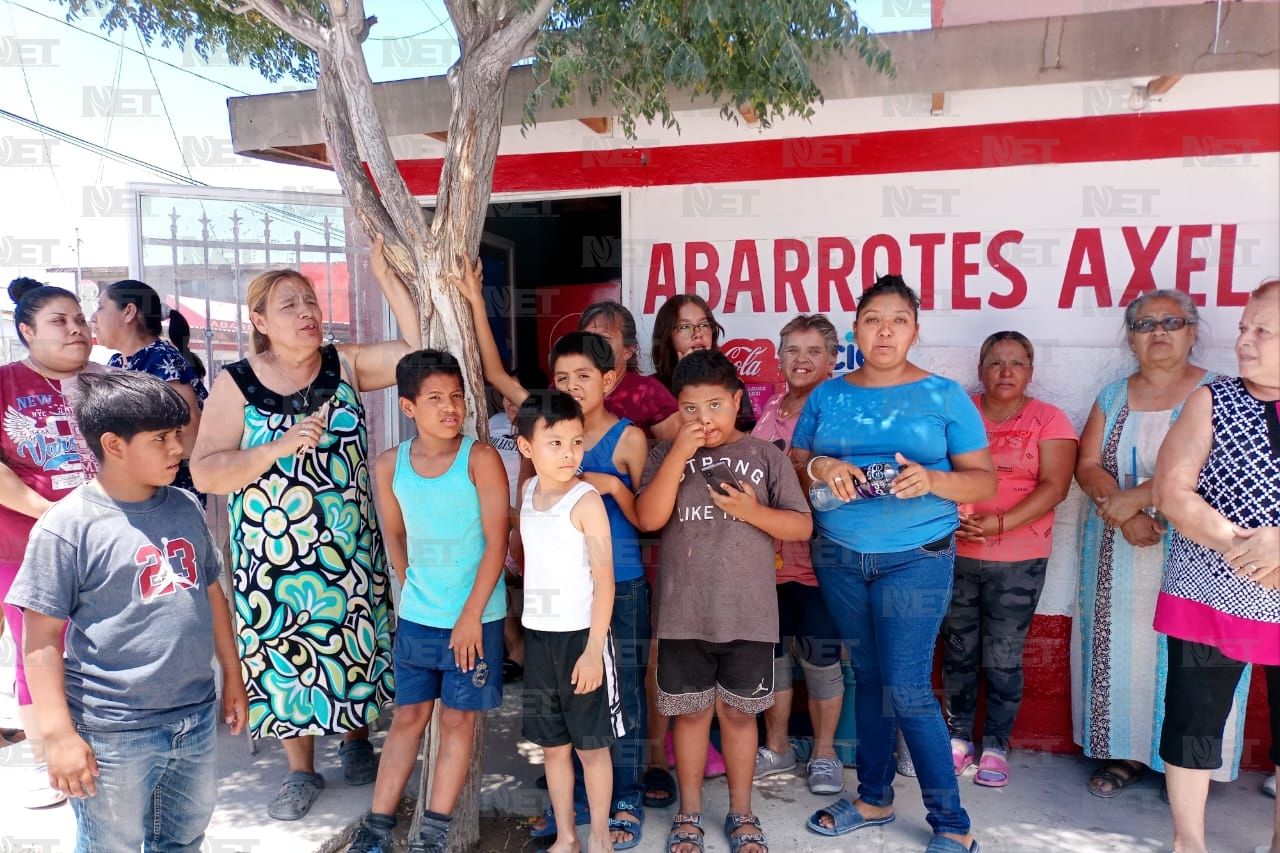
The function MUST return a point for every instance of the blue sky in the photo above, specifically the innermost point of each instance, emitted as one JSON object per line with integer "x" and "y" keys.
{"x": 169, "y": 111}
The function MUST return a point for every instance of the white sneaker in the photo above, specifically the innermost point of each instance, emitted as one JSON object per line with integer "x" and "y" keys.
{"x": 38, "y": 793}
{"x": 1269, "y": 786}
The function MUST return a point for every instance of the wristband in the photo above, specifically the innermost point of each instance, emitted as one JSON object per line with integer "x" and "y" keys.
{"x": 808, "y": 469}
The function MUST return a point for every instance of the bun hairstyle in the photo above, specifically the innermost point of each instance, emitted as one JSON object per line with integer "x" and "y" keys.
{"x": 180, "y": 337}
{"x": 29, "y": 296}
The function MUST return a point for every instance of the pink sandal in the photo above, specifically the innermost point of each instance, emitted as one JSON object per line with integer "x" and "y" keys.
{"x": 715, "y": 761}
{"x": 961, "y": 755}
{"x": 993, "y": 769}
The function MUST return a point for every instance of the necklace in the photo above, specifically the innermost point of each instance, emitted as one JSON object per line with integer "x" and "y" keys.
{"x": 300, "y": 398}
{"x": 783, "y": 411}
{"x": 57, "y": 389}
{"x": 1021, "y": 405}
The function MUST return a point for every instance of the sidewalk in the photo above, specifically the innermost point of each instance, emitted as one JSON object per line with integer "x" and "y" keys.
{"x": 1045, "y": 810}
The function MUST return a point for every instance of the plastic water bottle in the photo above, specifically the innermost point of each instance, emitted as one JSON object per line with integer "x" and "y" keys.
{"x": 880, "y": 476}
{"x": 822, "y": 499}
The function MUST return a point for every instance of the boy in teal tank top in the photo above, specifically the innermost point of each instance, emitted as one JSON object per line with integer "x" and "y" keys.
{"x": 442, "y": 503}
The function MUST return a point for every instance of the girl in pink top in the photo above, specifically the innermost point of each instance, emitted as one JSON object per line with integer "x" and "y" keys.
{"x": 807, "y": 352}
{"x": 1002, "y": 553}
{"x": 1218, "y": 483}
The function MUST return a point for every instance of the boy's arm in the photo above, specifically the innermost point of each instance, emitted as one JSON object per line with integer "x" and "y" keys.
{"x": 72, "y": 766}
{"x": 788, "y": 525}
{"x": 630, "y": 456}
{"x": 589, "y": 516}
{"x": 656, "y": 501}
{"x": 235, "y": 701}
{"x": 389, "y": 516}
{"x": 490, "y": 477}
{"x": 495, "y": 372}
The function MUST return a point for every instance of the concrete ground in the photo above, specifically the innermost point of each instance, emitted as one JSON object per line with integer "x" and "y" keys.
{"x": 1045, "y": 810}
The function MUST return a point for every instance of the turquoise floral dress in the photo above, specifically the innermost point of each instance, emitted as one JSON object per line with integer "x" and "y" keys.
{"x": 311, "y": 594}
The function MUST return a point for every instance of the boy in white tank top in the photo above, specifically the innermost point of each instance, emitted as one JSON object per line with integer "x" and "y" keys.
{"x": 571, "y": 698}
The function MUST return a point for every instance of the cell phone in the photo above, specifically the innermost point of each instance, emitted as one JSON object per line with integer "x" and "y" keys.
{"x": 720, "y": 475}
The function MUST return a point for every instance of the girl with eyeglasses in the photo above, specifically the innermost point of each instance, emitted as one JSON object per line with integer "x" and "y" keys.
{"x": 1003, "y": 552}
{"x": 1117, "y": 660}
{"x": 685, "y": 324}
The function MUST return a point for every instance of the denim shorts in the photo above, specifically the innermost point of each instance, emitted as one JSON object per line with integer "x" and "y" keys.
{"x": 426, "y": 671}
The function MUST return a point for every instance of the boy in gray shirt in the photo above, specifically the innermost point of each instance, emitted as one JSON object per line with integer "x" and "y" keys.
{"x": 125, "y": 567}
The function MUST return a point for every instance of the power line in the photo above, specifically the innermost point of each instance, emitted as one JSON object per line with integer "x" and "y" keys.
{"x": 101, "y": 37}
{"x": 26, "y": 81}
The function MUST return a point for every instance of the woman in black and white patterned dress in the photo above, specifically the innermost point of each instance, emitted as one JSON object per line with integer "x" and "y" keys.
{"x": 1218, "y": 482}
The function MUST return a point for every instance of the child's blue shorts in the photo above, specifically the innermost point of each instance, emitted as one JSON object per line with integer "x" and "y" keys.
{"x": 426, "y": 671}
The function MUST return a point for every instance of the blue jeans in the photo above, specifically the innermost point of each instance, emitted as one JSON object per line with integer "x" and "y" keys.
{"x": 888, "y": 608}
{"x": 156, "y": 787}
{"x": 631, "y": 637}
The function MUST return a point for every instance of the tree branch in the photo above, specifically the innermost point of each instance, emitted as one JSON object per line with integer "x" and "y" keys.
{"x": 464, "y": 17}
{"x": 509, "y": 42}
{"x": 359, "y": 190}
{"x": 295, "y": 22}
{"x": 349, "y": 64}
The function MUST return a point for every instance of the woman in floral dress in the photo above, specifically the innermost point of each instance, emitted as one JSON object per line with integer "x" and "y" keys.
{"x": 284, "y": 438}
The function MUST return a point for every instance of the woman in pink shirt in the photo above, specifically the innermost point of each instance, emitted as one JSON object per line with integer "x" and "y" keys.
{"x": 1002, "y": 554}
{"x": 807, "y": 352}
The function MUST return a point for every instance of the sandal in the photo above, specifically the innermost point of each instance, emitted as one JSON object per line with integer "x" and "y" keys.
{"x": 679, "y": 836}
{"x": 1118, "y": 775}
{"x": 993, "y": 769}
{"x": 549, "y": 829}
{"x": 296, "y": 796}
{"x": 845, "y": 818}
{"x": 359, "y": 764}
{"x": 961, "y": 755}
{"x": 734, "y": 821}
{"x": 659, "y": 788}
{"x": 634, "y": 827}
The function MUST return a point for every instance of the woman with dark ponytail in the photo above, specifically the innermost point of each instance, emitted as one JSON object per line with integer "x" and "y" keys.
{"x": 180, "y": 337}
{"x": 128, "y": 320}
{"x": 42, "y": 458}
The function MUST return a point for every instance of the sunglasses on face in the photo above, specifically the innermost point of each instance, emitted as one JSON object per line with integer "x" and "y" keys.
{"x": 1148, "y": 325}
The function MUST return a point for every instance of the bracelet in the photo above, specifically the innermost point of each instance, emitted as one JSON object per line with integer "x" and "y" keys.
{"x": 808, "y": 469}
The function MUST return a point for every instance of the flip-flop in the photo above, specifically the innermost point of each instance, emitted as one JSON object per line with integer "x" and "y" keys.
{"x": 657, "y": 779}
{"x": 993, "y": 770}
{"x": 961, "y": 755}
{"x": 845, "y": 818}
{"x": 942, "y": 844}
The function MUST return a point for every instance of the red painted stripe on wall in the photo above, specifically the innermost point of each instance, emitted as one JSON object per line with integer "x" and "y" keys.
{"x": 1187, "y": 134}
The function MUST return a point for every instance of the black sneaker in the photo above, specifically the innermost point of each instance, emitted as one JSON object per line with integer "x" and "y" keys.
{"x": 432, "y": 835}
{"x": 370, "y": 840}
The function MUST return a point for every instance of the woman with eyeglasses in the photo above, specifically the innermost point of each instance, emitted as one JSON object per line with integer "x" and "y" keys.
{"x": 683, "y": 325}
{"x": 1003, "y": 551}
{"x": 1117, "y": 659}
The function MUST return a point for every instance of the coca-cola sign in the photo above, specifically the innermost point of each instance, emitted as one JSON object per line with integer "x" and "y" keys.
{"x": 755, "y": 358}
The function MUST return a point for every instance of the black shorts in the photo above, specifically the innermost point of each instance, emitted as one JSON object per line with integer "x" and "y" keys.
{"x": 1197, "y": 701}
{"x": 553, "y": 714}
{"x": 693, "y": 673}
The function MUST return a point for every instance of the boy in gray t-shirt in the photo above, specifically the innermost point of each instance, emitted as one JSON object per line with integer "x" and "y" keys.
{"x": 125, "y": 567}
